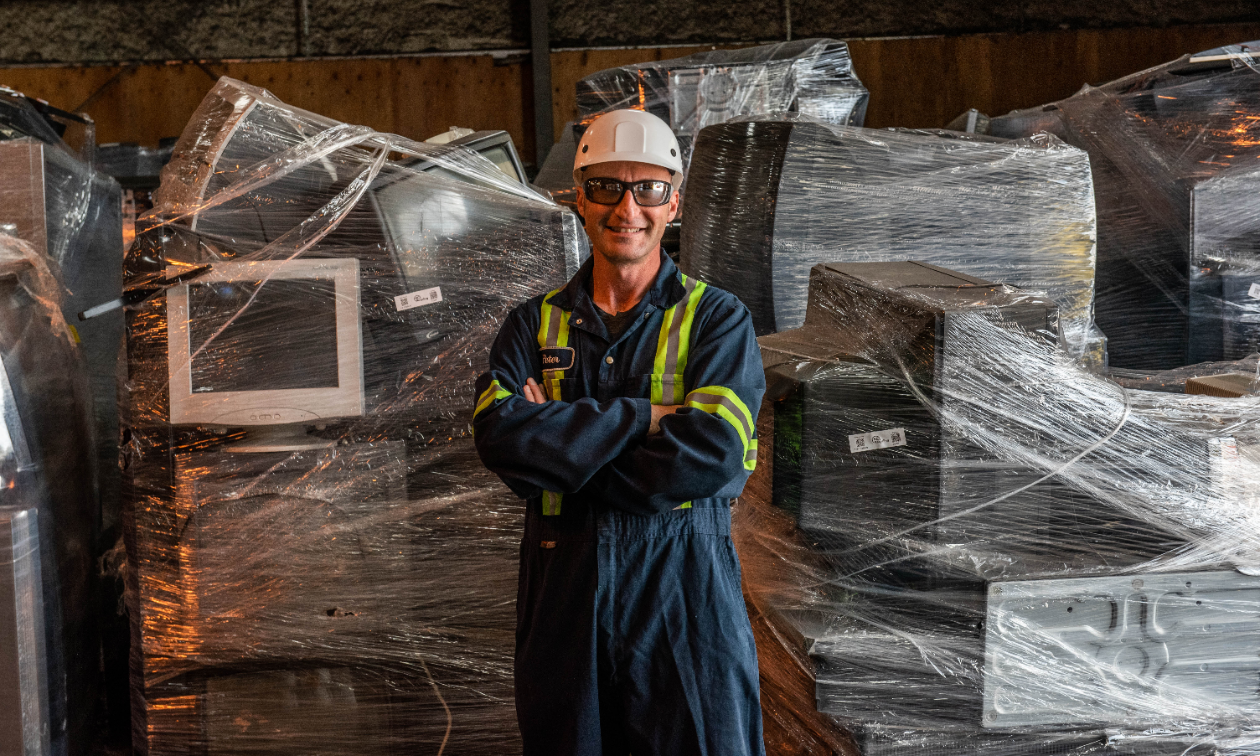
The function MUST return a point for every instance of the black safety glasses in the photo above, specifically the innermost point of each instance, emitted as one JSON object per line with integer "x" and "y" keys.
{"x": 606, "y": 191}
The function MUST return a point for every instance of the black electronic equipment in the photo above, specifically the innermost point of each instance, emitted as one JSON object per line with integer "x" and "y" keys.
{"x": 875, "y": 476}
{"x": 1173, "y": 151}
{"x": 771, "y": 198}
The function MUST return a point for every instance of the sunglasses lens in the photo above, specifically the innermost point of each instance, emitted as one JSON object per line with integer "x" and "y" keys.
{"x": 651, "y": 193}
{"x": 604, "y": 192}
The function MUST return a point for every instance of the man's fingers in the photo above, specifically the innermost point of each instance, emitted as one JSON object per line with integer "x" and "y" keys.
{"x": 533, "y": 392}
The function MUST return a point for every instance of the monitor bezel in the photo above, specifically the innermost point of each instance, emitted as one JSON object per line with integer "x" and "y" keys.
{"x": 269, "y": 407}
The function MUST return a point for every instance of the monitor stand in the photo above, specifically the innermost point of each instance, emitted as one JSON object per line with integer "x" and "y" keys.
{"x": 279, "y": 438}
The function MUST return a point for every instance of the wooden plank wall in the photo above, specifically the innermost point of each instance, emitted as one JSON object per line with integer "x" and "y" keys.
{"x": 918, "y": 82}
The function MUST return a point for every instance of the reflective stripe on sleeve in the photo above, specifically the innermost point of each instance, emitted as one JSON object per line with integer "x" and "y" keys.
{"x": 493, "y": 393}
{"x": 721, "y": 401}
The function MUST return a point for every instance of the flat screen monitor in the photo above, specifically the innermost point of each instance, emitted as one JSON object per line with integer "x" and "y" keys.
{"x": 266, "y": 343}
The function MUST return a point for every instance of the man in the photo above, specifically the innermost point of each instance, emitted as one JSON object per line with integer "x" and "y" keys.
{"x": 623, "y": 407}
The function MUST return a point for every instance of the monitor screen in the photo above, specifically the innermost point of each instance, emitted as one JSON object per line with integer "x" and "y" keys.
{"x": 253, "y": 336}
{"x": 266, "y": 342}
{"x": 500, "y": 156}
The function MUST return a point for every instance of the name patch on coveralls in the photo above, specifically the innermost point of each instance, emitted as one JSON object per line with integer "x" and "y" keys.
{"x": 557, "y": 358}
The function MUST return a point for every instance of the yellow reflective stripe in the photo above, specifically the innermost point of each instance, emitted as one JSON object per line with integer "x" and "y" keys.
{"x": 662, "y": 355}
{"x": 553, "y": 332}
{"x": 551, "y": 503}
{"x": 492, "y": 394}
{"x": 721, "y": 401}
{"x": 673, "y": 344}
{"x": 684, "y": 337}
{"x": 750, "y": 456}
{"x": 684, "y": 505}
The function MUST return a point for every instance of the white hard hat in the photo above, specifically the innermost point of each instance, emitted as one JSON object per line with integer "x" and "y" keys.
{"x": 628, "y": 135}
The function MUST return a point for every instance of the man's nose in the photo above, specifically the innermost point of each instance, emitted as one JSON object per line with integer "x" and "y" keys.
{"x": 627, "y": 208}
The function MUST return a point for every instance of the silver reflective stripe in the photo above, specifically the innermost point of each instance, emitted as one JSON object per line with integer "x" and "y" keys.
{"x": 553, "y": 326}
{"x": 704, "y": 397}
{"x": 675, "y": 330}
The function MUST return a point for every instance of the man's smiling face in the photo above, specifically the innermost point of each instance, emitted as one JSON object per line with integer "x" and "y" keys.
{"x": 626, "y": 232}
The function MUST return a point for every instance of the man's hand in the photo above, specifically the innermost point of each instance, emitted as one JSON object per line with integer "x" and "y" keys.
{"x": 659, "y": 411}
{"x": 534, "y": 392}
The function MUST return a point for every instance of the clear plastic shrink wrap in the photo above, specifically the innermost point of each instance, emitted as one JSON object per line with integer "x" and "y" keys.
{"x": 49, "y": 517}
{"x": 970, "y": 545}
{"x": 814, "y": 77}
{"x": 1174, "y": 153}
{"x": 321, "y": 563}
{"x": 53, "y": 199}
{"x": 772, "y": 197}
{"x": 24, "y": 724}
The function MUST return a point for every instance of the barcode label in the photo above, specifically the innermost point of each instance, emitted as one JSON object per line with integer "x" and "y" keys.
{"x": 1254, "y": 291}
{"x": 418, "y": 298}
{"x": 877, "y": 440}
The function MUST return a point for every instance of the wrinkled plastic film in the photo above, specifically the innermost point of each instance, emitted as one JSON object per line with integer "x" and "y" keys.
{"x": 1172, "y": 150}
{"x": 54, "y": 200}
{"x": 772, "y": 197}
{"x": 974, "y": 540}
{"x": 810, "y": 76}
{"x": 23, "y": 653}
{"x": 322, "y": 563}
{"x": 50, "y": 513}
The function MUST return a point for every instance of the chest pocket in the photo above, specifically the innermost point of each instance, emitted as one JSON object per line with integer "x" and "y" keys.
{"x": 673, "y": 344}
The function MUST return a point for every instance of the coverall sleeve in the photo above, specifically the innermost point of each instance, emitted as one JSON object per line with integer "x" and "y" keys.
{"x": 556, "y": 446}
{"x": 708, "y": 447}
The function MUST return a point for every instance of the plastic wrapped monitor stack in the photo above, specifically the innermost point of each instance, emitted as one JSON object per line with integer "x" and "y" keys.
{"x": 56, "y": 201}
{"x": 970, "y": 544}
{"x": 1173, "y": 151}
{"x": 49, "y": 517}
{"x": 1020, "y": 212}
{"x": 810, "y": 76}
{"x": 322, "y": 564}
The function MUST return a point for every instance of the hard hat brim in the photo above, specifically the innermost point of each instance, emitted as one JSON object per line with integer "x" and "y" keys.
{"x": 675, "y": 171}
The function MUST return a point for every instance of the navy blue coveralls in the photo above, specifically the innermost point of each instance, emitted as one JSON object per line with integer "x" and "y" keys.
{"x": 632, "y": 635}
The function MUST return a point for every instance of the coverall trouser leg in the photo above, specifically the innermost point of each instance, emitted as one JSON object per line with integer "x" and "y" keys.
{"x": 633, "y": 637}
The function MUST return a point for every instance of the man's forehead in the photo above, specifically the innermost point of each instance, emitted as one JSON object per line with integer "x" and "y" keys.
{"x": 627, "y": 170}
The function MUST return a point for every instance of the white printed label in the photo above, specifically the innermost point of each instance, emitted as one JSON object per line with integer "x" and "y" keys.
{"x": 418, "y": 298}
{"x": 877, "y": 440}
{"x": 1254, "y": 291}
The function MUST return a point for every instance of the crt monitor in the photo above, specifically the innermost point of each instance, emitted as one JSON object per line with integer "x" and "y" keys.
{"x": 266, "y": 343}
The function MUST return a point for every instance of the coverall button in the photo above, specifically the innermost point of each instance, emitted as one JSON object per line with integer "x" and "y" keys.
{"x": 578, "y": 321}
{"x": 609, "y": 359}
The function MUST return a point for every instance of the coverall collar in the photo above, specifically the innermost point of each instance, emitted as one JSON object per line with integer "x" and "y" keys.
{"x": 666, "y": 291}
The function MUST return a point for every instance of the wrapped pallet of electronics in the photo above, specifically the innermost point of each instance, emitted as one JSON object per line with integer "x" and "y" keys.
{"x": 321, "y": 564}
{"x": 56, "y": 201}
{"x": 810, "y": 76}
{"x": 771, "y": 197}
{"x": 1174, "y": 154}
{"x": 965, "y": 543}
{"x": 51, "y": 197}
{"x": 49, "y": 516}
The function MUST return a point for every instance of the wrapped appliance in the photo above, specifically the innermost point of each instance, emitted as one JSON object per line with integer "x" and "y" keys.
{"x": 24, "y": 725}
{"x": 47, "y": 472}
{"x": 73, "y": 214}
{"x": 772, "y": 197}
{"x": 1173, "y": 151}
{"x": 810, "y": 76}
{"x": 322, "y": 563}
{"x": 970, "y": 536}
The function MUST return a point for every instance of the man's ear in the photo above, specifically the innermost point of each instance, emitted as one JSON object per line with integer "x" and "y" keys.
{"x": 673, "y": 205}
